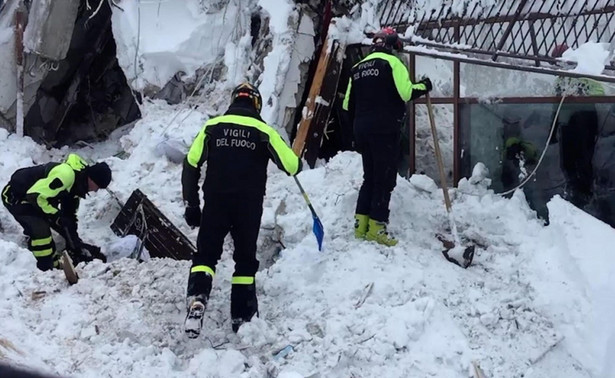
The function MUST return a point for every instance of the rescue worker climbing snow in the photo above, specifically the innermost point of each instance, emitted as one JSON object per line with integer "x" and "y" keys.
{"x": 237, "y": 147}
{"x": 376, "y": 98}
{"x": 46, "y": 197}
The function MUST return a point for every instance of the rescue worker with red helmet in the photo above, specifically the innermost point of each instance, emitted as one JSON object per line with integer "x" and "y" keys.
{"x": 237, "y": 147}
{"x": 376, "y": 98}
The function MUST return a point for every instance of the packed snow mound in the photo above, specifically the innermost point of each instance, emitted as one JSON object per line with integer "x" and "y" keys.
{"x": 157, "y": 39}
{"x": 533, "y": 304}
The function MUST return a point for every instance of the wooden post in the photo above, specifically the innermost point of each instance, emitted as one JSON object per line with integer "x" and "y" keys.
{"x": 310, "y": 104}
{"x": 19, "y": 29}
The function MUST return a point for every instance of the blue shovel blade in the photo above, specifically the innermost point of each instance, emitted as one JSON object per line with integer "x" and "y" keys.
{"x": 318, "y": 231}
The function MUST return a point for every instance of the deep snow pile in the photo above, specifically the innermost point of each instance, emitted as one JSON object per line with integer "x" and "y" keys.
{"x": 535, "y": 303}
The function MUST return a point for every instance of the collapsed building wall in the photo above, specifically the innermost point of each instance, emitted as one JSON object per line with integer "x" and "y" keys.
{"x": 73, "y": 87}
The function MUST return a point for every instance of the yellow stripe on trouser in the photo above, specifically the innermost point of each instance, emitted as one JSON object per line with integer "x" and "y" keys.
{"x": 36, "y": 244}
{"x": 242, "y": 280}
{"x": 40, "y": 242}
{"x": 43, "y": 253}
{"x": 202, "y": 268}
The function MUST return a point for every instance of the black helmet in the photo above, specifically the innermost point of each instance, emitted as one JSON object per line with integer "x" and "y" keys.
{"x": 387, "y": 38}
{"x": 247, "y": 90}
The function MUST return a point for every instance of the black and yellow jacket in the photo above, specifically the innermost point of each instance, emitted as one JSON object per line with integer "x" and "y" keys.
{"x": 378, "y": 90}
{"x": 54, "y": 188}
{"x": 237, "y": 147}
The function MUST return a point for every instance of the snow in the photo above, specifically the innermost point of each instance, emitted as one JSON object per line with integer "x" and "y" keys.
{"x": 278, "y": 11}
{"x": 535, "y": 303}
{"x": 591, "y": 57}
{"x": 156, "y": 39}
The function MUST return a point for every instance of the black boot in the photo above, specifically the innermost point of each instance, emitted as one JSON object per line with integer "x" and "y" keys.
{"x": 199, "y": 287}
{"x": 244, "y": 304}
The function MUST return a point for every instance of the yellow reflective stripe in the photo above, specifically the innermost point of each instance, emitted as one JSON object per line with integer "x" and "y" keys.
{"x": 400, "y": 73}
{"x": 41, "y": 188}
{"x": 39, "y": 242}
{"x": 346, "y": 102}
{"x": 43, "y": 253}
{"x": 6, "y": 197}
{"x": 242, "y": 280}
{"x": 202, "y": 268}
{"x": 76, "y": 162}
{"x": 198, "y": 146}
{"x": 282, "y": 153}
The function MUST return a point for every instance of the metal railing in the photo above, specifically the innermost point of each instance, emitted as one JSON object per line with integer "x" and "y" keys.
{"x": 525, "y": 32}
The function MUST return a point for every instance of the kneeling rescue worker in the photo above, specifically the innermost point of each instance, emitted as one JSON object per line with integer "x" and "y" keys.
{"x": 47, "y": 196}
{"x": 237, "y": 147}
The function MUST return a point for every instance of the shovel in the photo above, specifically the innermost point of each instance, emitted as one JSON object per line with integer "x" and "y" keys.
{"x": 317, "y": 228}
{"x": 453, "y": 251}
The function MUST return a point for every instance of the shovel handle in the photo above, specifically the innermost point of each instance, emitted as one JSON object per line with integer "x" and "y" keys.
{"x": 436, "y": 146}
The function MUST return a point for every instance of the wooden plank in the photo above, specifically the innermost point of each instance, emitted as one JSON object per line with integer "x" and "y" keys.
{"x": 324, "y": 104}
{"x": 161, "y": 238}
{"x": 307, "y": 113}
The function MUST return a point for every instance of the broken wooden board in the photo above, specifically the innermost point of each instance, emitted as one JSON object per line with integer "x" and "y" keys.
{"x": 69, "y": 268}
{"x": 318, "y": 106}
{"x": 140, "y": 217}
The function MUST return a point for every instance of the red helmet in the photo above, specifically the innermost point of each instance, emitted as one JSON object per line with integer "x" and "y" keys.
{"x": 387, "y": 37}
{"x": 249, "y": 91}
{"x": 559, "y": 50}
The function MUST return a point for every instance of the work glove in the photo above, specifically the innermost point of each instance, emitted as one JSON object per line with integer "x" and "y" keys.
{"x": 427, "y": 83}
{"x": 193, "y": 216}
{"x": 93, "y": 251}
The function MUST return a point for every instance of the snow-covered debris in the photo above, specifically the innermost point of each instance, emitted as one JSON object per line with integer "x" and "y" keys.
{"x": 591, "y": 57}
{"x": 157, "y": 39}
{"x": 50, "y": 28}
{"x": 357, "y": 308}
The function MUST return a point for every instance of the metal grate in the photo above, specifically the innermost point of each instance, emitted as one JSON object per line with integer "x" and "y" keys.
{"x": 522, "y": 29}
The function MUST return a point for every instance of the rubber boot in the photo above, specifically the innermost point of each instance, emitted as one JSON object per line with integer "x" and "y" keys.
{"x": 244, "y": 304}
{"x": 360, "y": 225}
{"x": 377, "y": 231}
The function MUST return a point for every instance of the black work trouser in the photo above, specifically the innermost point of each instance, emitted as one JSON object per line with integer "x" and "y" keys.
{"x": 578, "y": 141}
{"x": 36, "y": 226}
{"x": 380, "y": 153}
{"x": 239, "y": 214}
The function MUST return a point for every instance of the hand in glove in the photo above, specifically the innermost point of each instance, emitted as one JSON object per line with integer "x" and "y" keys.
{"x": 94, "y": 251}
{"x": 427, "y": 83}
{"x": 193, "y": 216}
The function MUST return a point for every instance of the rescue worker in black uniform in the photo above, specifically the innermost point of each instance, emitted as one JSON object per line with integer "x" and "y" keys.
{"x": 237, "y": 147}
{"x": 376, "y": 98}
{"x": 47, "y": 196}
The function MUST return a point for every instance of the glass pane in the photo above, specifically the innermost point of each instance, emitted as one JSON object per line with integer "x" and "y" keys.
{"x": 578, "y": 164}
{"x": 488, "y": 82}
{"x": 439, "y": 71}
{"x": 424, "y": 149}
{"x": 493, "y": 82}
